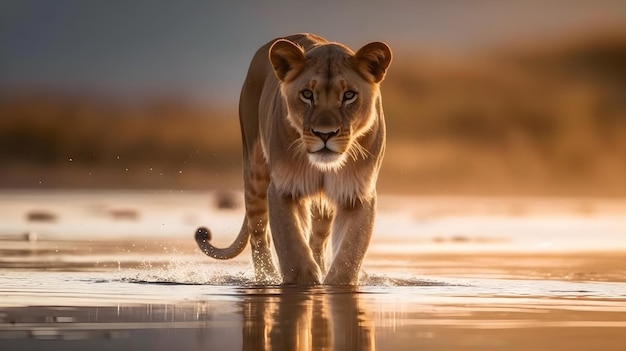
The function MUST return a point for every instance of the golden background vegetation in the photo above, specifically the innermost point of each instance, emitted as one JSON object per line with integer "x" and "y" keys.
{"x": 541, "y": 119}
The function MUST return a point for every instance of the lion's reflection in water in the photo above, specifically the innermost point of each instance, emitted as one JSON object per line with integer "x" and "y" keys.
{"x": 305, "y": 319}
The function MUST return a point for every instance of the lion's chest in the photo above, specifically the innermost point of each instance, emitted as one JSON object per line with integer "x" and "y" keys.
{"x": 345, "y": 186}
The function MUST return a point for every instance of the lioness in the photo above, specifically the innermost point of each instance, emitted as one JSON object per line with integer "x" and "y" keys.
{"x": 313, "y": 140}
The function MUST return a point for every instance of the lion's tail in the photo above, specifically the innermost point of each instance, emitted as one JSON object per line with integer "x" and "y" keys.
{"x": 203, "y": 238}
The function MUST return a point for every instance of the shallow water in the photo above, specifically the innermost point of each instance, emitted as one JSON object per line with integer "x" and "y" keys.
{"x": 120, "y": 271}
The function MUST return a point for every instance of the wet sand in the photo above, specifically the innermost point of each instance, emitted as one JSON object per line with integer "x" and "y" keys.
{"x": 447, "y": 276}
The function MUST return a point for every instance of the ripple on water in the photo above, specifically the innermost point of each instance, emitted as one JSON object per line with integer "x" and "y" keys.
{"x": 240, "y": 274}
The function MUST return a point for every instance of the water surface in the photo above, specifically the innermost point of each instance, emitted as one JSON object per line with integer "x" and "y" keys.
{"x": 120, "y": 271}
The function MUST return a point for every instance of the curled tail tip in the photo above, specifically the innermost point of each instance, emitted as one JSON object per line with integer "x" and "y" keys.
{"x": 203, "y": 234}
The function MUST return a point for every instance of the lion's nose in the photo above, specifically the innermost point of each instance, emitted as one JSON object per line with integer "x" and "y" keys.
{"x": 325, "y": 133}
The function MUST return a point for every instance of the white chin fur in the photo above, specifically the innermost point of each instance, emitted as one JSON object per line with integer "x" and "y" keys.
{"x": 327, "y": 161}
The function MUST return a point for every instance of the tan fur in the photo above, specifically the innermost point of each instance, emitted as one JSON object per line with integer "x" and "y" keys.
{"x": 312, "y": 152}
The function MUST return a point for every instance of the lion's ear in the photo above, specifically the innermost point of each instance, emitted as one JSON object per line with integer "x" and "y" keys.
{"x": 287, "y": 58}
{"x": 372, "y": 60}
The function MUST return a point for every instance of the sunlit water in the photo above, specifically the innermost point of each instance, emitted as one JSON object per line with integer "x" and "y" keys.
{"x": 120, "y": 270}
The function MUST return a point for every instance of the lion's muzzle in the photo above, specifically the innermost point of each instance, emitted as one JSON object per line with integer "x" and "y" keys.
{"x": 325, "y": 149}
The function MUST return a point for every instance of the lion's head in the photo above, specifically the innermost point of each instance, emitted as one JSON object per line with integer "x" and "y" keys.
{"x": 331, "y": 95}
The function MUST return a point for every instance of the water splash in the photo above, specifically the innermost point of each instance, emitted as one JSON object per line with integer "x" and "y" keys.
{"x": 186, "y": 272}
{"x": 387, "y": 280}
{"x": 241, "y": 274}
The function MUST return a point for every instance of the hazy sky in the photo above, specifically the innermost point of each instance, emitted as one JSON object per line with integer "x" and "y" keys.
{"x": 202, "y": 48}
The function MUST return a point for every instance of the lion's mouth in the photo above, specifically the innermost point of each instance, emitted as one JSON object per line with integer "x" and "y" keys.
{"x": 326, "y": 159}
{"x": 325, "y": 155}
{"x": 325, "y": 150}
{"x": 323, "y": 147}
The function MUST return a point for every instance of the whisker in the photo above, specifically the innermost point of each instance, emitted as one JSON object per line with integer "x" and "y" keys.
{"x": 358, "y": 150}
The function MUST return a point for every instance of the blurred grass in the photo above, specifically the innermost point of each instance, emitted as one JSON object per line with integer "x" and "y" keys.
{"x": 548, "y": 118}
{"x": 542, "y": 119}
{"x": 49, "y": 140}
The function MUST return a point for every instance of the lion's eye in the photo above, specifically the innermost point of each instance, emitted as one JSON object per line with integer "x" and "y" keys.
{"x": 349, "y": 96}
{"x": 306, "y": 95}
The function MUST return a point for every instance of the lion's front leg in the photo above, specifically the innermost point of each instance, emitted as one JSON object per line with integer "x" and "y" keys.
{"x": 289, "y": 223}
{"x": 352, "y": 231}
{"x": 320, "y": 231}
